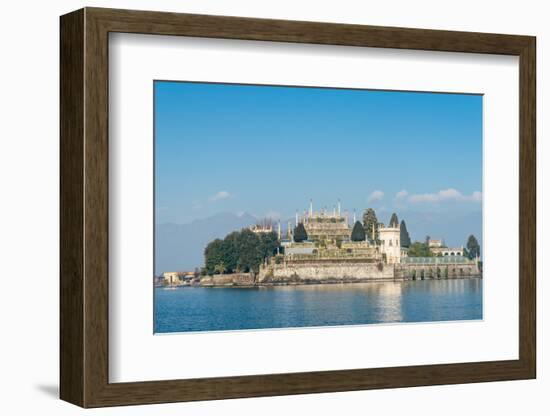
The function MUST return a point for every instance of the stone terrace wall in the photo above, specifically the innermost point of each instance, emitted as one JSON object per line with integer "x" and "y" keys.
{"x": 325, "y": 272}
{"x": 234, "y": 279}
{"x": 334, "y": 272}
{"x": 433, "y": 271}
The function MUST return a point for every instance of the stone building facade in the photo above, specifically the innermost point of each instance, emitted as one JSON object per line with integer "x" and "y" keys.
{"x": 447, "y": 251}
{"x": 172, "y": 278}
{"x": 330, "y": 255}
{"x": 390, "y": 243}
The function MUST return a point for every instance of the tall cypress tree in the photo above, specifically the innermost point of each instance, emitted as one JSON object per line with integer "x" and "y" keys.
{"x": 394, "y": 221}
{"x": 300, "y": 233}
{"x": 358, "y": 232}
{"x": 370, "y": 220}
{"x": 404, "y": 235}
{"x": 473, "y": 247}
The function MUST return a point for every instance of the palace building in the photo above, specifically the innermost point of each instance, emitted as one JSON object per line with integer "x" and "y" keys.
{"x": 329, "y": 237}
{"x": 327, "y": 226}
{"x": 329, "y": 254}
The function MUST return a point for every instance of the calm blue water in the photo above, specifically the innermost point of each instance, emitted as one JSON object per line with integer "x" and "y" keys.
{"x": 213, "y": 309}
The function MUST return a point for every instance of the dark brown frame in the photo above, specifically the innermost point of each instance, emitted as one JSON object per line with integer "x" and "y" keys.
{"x": 84, "y": 208}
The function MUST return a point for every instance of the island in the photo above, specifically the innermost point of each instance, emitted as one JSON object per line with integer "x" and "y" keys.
{"x": 327, "y": 247}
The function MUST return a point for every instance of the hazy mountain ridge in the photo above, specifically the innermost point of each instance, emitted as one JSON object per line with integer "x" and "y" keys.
{"x": 180, "y": 247}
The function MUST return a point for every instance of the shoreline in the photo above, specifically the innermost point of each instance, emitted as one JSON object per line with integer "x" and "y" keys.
{"x": 309, "y": 282}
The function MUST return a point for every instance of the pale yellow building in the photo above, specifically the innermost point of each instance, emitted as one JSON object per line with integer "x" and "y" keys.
{"x": 390, "y": 243}
{"x": 172, "y": 278}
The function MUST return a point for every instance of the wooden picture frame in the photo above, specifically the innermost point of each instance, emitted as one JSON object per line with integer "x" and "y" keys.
{"x": 84, "y": 207}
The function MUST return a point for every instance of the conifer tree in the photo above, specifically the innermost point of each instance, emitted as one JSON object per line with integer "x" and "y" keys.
{"x": 394, "y": 221}
{"x": 370, "y": 221}
{"x": 300, "y": 233}
{"x": 404, "y": 235}
{"x": 358, "y": 232}
{"x": 473, "y": 247}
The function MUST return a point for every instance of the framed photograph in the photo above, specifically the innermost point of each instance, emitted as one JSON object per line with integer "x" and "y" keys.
{"x": 255, "y": 207}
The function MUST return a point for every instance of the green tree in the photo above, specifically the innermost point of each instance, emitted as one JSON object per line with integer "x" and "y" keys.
{"x": 219, "y": 268}
{"x": 358, "y": 232}
{"x": 241, "y": 251}
{"x": 268, "y": 245}
{"x": 394, "y": 221}
{"x": 300, "y": 233}
{"x": 370, "y": 222}
{"x": 418, "y": 249}
{"x": 213, "y": 255}
{"x": 404, "y": 235}
{"x": 230, "y": 253}
{"x": 248, "y": 251}
{"x": 473, "y": 247}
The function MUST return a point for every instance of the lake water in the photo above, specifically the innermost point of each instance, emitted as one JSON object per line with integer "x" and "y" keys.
{"x": 220, "y": 309}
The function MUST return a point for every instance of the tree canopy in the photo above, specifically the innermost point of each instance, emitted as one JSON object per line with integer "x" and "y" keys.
{"x": 394, "y": 221}
{"x": 418, "y": 249}
{"x": 370, "y": 221}
{"x": 300, "y": 233}
{"x": 214, "y": 254}
{"x": 239, "y": 251}
{"x": 358, "y": 232}
{"x": 268, "y": 244}
{"x": 473, "y": 247}
{"x": 404, "y": 235}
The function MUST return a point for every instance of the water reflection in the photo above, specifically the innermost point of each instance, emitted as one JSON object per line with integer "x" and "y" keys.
{"x": 207, "y": 309}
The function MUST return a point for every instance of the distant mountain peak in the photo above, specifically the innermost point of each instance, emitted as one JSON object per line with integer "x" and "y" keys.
{"x": 181, "y": 246}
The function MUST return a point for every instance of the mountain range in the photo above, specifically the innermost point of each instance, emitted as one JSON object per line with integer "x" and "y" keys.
{"x": 180, "y": 247}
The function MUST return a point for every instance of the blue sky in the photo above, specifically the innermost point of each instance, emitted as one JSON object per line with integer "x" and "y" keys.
{"x": 267, "y": 150}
